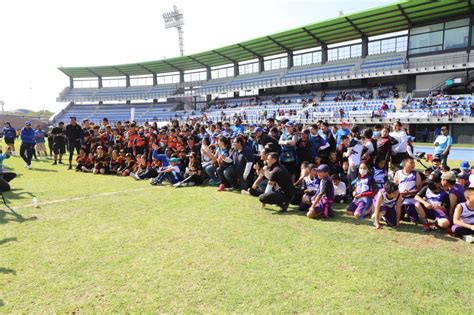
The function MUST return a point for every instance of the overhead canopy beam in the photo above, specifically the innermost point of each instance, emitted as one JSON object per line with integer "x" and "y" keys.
{"x": 224, "y": 56}
{"x": 118, "y": 70}
{"x": 145, "y": 68}
{"x": 313, "y": 36}
{"x": 250, "y": 51}
{"x": 93, "y": 72}
{"x": 279, "y": 44}
{"x": 405, "y": 15}
{"x": 355, "y": 26}
{"x": 172, "y": 66}
{"x": 197, "y": 61}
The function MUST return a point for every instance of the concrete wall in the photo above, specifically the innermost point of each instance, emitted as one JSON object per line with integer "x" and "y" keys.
{"x": 427, "y": 81}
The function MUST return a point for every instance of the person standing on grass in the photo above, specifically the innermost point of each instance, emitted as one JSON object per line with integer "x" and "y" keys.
{"x": 9, "y": 134}
{"x": 463, "y": 218}
{"x": 399, "y": 149}
{"x": 59, "y": 143}
{"x": 27, "y": 136}
{"x": 443, "y": 144}
{"x": 40, "y": 141}
{"x": 74, "y": 137}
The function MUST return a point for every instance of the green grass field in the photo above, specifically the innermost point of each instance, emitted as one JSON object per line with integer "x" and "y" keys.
{"x": 102, "y": 244}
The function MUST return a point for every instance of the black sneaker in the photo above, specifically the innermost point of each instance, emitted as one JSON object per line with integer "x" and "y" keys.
{"x": 70, "y": 167}
{"x": 60, "y": 162}
{"x": 284, "y": 207}
{"x": 54, "y": 163}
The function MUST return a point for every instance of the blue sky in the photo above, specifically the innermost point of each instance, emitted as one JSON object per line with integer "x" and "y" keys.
{"x": 51, "y": 33}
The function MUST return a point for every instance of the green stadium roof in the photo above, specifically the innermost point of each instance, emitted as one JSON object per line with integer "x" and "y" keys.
{"x": 386, "y": 19}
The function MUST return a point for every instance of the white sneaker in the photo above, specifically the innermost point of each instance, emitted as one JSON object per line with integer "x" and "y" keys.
{"x": 135, "y": 176}
{"x": 177, "y": 185}
{"x": 468, "y": 238}
{"x": 28, "y": 167}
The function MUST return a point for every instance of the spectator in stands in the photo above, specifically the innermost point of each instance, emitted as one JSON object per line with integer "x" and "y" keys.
{"x": 27, "y": 136}
{"x": 9, "y": 134}
{"x": 443, "y": 144}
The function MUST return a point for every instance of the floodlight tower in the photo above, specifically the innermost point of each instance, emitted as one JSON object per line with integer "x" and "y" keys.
{"x": 175, "y": 19}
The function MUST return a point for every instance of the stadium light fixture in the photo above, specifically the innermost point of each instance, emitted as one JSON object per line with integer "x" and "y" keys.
{"x": 175, "y": 19}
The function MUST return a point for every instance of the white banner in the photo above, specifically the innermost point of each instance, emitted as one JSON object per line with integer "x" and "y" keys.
{"x": 132, "y": 114}
{"x": 360, "y": 113}
{"x": 399, "y": 115}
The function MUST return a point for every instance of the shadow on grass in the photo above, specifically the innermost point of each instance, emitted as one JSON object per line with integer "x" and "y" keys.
{"x": 12, "y": 216}
{"x": 14, "y": 195}
{"x": 45, "y": 170}
{"x": 8, "y": 240}
{"x": 340, "y": 216}
{"x": 7, "y": 271}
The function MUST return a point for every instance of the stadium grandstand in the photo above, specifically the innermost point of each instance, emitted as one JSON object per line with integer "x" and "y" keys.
{"x": 410, "y": 61}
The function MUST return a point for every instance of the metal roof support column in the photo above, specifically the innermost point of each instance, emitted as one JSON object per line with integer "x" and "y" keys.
{"x": 181, "y": 76}
{"x": 155, "y": 79}
{"x": 127, "y": 81}
{"x": 208, "y": 73}
{"x": 365, "y": 46}
{"x": 99, "y": 81}
{"x": 324, "y": 53}
{"x": 261, "y": 66}
{"x": 290, "y": 60}
{"x": 71, "y": 82}
{"x": 236, "y": 68}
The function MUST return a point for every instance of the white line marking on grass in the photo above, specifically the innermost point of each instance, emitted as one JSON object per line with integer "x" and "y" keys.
{"x": 83, "y": 197}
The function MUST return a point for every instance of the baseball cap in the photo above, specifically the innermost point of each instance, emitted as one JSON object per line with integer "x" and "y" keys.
{"x": 289, "y": 124}
{"x": 463, "y": 175}
{"x": 174, "y": 160}
{"x": 27, "y": 123}
{"x": 257, "y": 129}
{"x": 73, "y": 117}
{"x": 411, "y": 138}
{"x": 436, "y": 157}
{"x": 464, "y": 165}
{"x": 449, "y": 176}
{"x": 323, "y": 168}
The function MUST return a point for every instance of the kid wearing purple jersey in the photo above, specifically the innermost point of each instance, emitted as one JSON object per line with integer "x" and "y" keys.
{"x": 388, "y": 204}
{"x": 363, "y": 192}
{"x": 322, "y": 201}
{"x": 432, "y": 202}
{"x": 409, "y": 183}
{"x": 463, "y": 218}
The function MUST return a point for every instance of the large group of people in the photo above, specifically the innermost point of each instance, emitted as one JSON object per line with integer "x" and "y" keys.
{"x": 282, "y": 163}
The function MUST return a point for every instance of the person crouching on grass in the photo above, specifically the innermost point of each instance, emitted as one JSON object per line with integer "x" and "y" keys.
{"x": 169, "y": 173}
{"x": 100, "y": 159}
{"x": 127, "y": 166}
{"x": 193, "y": 174}
{"x": 322, "y": 201}
{"x": 5, "y": 177}
{"x": 432, "y": 202}
{"x": 363, "y": 193}
{"x": 310, "y": 187}
{"x": 463, "y": 218}
{"x": 388, "y": 205}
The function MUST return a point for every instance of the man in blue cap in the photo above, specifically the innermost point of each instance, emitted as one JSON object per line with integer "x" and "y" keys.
{"x": 27, "y": 136}
{"x": 465, "y": 167}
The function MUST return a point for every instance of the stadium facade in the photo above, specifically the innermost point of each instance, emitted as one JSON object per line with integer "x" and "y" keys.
{"x": 416, "y": 46}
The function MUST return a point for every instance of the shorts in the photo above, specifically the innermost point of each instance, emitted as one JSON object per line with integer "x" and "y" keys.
{"x": 389, "y": 214}
{"x": 323, "y": 206}
{"x": 434, "y": 214}
{"x": 10, "y": 140}
{"x": 40, "y": 147}
{"x": 360, "y": 206}
{"x": 59, "y": 148}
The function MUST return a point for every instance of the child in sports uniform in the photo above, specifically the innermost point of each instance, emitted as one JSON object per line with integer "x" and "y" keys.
{"x": 379, "y": 173}
{"x": 322, "y": 201}
{"x": 409, "y": 183}
{"x": 432, "y": 202}
{"x": 463, "y": 218}
{"x": 363, "y": 192}
{"x": 387, "y": 205}
{"x": 310, "y": 187}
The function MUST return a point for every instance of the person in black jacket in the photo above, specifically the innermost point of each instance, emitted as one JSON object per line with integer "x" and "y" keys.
{"x": 74, "y": 136}
{"x": 280, "y": 190}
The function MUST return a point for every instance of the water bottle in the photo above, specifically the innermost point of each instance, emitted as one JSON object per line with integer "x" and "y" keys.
{"x": 35, "y": 202}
